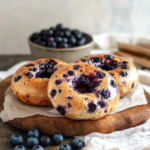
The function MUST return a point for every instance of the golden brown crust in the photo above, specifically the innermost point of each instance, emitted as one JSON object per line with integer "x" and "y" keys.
{"x": 125, "y": 83}
{"x": 32, "y": 91}
{"x": 68, "y": 92}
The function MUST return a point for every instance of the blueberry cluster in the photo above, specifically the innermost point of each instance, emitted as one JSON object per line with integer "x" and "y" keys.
{"x": 37, "y": 143}
{"x": 58, "y": 37}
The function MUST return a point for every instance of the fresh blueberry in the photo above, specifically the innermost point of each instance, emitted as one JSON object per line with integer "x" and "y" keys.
{"x": 67, "y": 33}
{"x": 65, "y": 40}
{"x": 104, "y": 94}
{"x": 32, "y": 141}
{"x": 72, "y": 40}
{"x": 123, "y": 73}
{"x": 44, "y": 32}
{"x": 77, "y": 34}
{"x": 58, "y": 39}
{"x": 109, "y": 57}
{"x": 81, "y": 42}
{"x": 50, "y": 39}
{"x": 37, "y": 147}
{"x": 17, "y": 78}
{"x": 76, "y": 143}
{"x": 65, "y": 147}
{"x": 34, "y": 36}
{"x": 51, "y": 32}
{"x": 33, "y": 133}
{"x": 52, "y": 44}
{"x": 59, "y": 33}
{"x": 19, "y": 147}
{"x": 16, "y": 139}
{"x": 45, "y": 140}
{"x": 42, "y": 43}
{"x": 63, "y": 45}
{"x": 57, "y": 139}
{"x": 59, "y": 26}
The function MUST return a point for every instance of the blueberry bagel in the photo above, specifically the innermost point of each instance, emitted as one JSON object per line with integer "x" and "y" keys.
{"x": 29, "y": 83}
{"x": 123, "y": 71}
{"x": 83, "y": 92}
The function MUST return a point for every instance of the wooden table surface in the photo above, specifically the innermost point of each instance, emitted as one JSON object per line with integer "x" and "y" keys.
{"x": 7, "y": 61}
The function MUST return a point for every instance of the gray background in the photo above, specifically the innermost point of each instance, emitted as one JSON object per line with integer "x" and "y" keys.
{"x": 19, "y": 18}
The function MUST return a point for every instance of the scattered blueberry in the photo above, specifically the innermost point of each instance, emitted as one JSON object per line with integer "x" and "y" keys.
{"x": 57, "y": 82}
{"x": 45, "y": 140}
{"x": 124, "y": 66}
{"x": 113, "y": 83}
{"x": 91, "y": 107}
{"x": 104, "y": 94}
{"x": 65, "y": 147}
{"x": 32, "y": 141}
{"x": 19, "y": 147}
{"x": 76, "y": 143}
{"x": 70, "y": 73}
{"x": 76, "y": 66}
{"x": 16, "y": 139}
{"x": 132, "y": 86}
{"x": 100, "y": 74}
{"x": 53, "y": 93}
{"x": 95, "y": 84}
{"x": 101, "y": 104}
{"x": 17, "y": 78}
{"x": 29, "y": 65}
{"x": 65, "y": 76}
{"x": 109, "y": 57}
{"x": 37, "y": 147}
{"x": 61, "y": 110}
{"x": 29, "y": 74}
{"x": 95, "y": 59}
{"x": 85, "y": 60}
{"x": 123, "y": 62}
{"x": 33, "y": 133}
{"x": 123, "y": 73}
{"x": 57, "y": 139}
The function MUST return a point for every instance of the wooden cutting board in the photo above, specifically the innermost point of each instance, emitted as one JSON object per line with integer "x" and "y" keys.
{"x": 47, "y": 125}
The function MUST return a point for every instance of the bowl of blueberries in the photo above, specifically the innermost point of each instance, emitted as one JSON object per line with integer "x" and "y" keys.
{"x": 61, "y": 43}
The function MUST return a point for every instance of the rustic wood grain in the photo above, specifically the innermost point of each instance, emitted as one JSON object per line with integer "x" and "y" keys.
{"x": 47, "y": 125}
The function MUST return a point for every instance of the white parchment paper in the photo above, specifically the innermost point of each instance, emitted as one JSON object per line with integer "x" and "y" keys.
{"x": 14, "y": 108}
